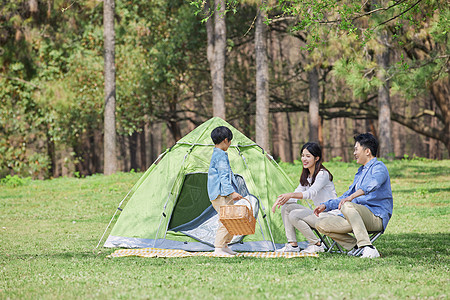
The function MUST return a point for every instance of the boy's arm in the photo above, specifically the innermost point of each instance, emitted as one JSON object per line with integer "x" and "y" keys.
{"x": 224, "y": 173}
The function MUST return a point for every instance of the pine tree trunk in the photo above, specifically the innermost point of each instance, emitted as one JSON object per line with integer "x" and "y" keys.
{"x": 33, "y": 6}
{"x": 288, "y": 144}
{"x": 313, "y": 105}
{"x": 282, "y": 141}
{"x": 49, "y": 9}
{"x": 142, "y": 150}
{"x": 397, "y": 140}
{"x": 210, "y": 36}
{"x": 51, "y": 152}
{"x": 384, "y": 105}
{"x": 276, "y": 136}
{"x": 440, "y": 91}
{"x": 338, "y": 138}
{"x": 342, "y": 136}
{"x": 83, "y": 162}
{"x": 218, "y": 70}
{"x": 97, "y": 157}
{"x": 262, "y": 82}
{"x": 123, "y": 163}
{"x": 133, "y": 141}
{"x": 110, "y": 160}
{"x": 174, "y": 129}
{"x": 156, "y": 140}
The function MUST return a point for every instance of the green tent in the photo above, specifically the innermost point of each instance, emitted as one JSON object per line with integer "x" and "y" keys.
{"x": 169, "y": 206}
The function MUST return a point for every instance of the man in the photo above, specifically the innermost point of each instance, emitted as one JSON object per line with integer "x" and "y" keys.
{"x": 367, "y": 204}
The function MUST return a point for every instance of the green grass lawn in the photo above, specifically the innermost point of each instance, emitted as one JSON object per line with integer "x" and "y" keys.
{"x": 49, "y": 229}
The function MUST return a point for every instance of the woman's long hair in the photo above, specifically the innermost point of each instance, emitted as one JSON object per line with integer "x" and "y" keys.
{"x": 316, "y": 151}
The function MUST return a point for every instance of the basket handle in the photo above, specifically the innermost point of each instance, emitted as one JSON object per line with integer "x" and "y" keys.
{"x": 251, "y": 208}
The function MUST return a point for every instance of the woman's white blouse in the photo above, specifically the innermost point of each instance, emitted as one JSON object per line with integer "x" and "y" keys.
{"x": 321, "y": 190}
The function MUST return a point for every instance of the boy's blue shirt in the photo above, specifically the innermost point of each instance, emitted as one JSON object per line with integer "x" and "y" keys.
{"x": 373, "y": 178}
{"x": 221, "y": 179}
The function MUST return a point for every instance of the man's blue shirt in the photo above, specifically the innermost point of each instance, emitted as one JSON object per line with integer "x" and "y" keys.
{"x": 373, "y": 178}
{"x": 221, "y": 179}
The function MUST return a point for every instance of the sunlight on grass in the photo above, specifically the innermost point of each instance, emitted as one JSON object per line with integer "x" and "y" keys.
{"x": 48, "y": 231}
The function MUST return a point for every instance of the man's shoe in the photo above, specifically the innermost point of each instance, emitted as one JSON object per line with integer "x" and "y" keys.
{"x": 222, "y": 253}
{"x": 229, "y": 251}
{"x": 313, "y": 249}
{"x": 288, "y": 248}
{"x": 370, "y": 253}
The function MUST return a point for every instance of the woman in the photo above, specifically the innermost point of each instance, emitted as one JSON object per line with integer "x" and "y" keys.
{"x": 316, "y": 183}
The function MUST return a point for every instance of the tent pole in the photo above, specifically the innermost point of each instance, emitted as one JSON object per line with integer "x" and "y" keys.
{"x": 160, "y": 222}
{"x": 121, "y": 202}
{"x": 110, "y": 221}
{"x": 262, "y": 205}
{"x": 270, "y": 232}
{"x": 168, "y": 198}
{"x": 268, "y": 226}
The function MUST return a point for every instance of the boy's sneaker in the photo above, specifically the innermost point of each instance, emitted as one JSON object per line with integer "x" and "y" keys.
{"x": 288, "y": 248}
{"x": 313, "y": 249}
{"x": 222, "y": 253}
{"x": 229, "y": 251}
{"x": 370, "y": 253}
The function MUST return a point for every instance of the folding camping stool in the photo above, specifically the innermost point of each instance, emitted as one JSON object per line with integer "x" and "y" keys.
{"x": 329, "y": 243}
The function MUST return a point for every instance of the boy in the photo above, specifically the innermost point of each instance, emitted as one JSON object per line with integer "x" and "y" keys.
{"x": 222, "y": 185}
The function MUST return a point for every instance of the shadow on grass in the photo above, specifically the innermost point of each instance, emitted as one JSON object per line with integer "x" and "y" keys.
{"x": 56, "y": 255}
{"x": 400, "y": 249}
{"x": 417, "y": 171}
{"x": 422, "y": 190}
{"x": 413, "y": 248}
{"x": 419, "y": 244}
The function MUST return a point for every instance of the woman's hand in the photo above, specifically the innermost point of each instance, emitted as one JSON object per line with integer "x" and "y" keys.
{"x": 281, "y": 200}
{"x": 274, "y": 207}
{"x": 319, "y": 209}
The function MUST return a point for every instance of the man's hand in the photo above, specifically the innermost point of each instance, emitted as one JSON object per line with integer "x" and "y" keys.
{"x": 235, "y": 196}
{"x": 343, "y": 201}
{"x": 350, "y": 198}
{"x": 319, "y": 209}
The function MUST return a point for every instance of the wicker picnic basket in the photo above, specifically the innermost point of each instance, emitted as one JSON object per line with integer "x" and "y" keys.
{"x": 238, "y": 219}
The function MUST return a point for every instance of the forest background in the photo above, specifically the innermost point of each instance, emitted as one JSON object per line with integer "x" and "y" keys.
{"x": 329, "y": 76}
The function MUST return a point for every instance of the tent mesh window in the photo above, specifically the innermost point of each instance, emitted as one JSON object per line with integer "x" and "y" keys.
{"x": 192, "y": 200}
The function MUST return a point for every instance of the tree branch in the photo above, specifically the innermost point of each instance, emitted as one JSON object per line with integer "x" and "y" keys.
{"x": 395, "y": 17}
{"x": 21, "y": 80}
{"x": 364, "y": 111}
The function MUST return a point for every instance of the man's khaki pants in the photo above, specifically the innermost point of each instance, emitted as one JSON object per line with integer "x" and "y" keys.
{"x": 223, "y": 237}
{"x": 358, "y": 219}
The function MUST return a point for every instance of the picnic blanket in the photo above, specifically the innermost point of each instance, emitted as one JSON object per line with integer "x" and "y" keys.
{"x": 155, "y": 252}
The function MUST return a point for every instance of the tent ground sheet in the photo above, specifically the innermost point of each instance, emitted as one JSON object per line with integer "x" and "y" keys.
{"x": 155, "y": 252}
